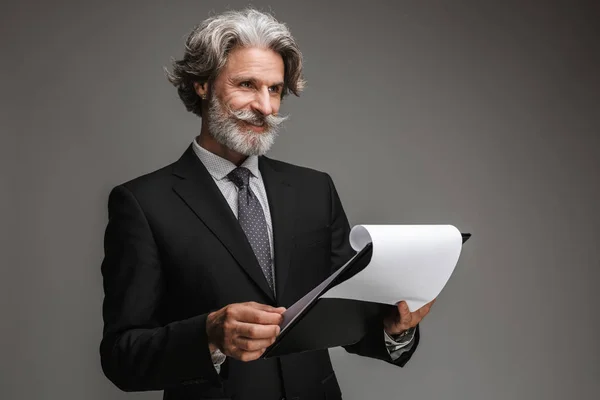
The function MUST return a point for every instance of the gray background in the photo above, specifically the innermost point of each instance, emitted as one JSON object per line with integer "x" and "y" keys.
{"x": 481, "y": 114}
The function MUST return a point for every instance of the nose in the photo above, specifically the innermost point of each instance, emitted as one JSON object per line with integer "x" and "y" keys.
{"x": 262, "y": 102}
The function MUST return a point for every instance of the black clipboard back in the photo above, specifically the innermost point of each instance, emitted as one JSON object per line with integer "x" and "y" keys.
{"x": 332, "y": 322}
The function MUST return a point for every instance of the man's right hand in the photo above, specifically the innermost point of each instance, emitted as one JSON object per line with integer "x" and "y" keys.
{"x": 243, "y": 330}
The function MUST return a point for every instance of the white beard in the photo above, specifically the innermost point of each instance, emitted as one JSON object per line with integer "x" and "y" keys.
{"x": 223, "y": 125}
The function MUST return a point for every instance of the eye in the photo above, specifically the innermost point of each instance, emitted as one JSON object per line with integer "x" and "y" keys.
{"x": 275, "y": 89}
{"x": 246, "y": 84}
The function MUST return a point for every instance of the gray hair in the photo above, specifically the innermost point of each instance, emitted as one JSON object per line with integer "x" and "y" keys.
{"x": 208, "y": 45}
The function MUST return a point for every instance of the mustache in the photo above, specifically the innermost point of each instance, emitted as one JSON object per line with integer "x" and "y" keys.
{"x": 271, "y": 121}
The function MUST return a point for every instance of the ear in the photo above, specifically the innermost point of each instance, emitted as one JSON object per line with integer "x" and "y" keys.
{"x": 201, "y": 89}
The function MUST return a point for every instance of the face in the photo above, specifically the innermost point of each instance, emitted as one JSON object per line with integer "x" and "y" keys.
{"x": 245, "y": 100}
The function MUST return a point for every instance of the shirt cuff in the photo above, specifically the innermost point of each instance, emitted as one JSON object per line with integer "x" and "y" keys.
{"x": 218, "y": 358}
{"x": 396, "y": 347}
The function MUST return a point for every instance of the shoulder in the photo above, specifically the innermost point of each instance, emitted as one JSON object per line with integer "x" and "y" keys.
{"x": 149, "y": 184}
{"x": 296, "y": 172}
{"x": 302, "y": 177}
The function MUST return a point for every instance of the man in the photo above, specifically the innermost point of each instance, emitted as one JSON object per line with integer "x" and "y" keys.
{"x": 203, "y": 256}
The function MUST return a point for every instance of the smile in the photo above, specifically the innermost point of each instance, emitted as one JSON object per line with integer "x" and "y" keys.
{"x": 255, "y": 126}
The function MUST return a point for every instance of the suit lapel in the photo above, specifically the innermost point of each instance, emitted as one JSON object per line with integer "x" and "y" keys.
{"x": 199, "y": 191}
{"x": 281, "y": 197}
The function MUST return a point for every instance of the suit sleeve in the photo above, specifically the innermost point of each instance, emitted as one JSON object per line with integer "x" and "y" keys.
{"x": 138, "y": 350}
{"x": 373, "y": 343}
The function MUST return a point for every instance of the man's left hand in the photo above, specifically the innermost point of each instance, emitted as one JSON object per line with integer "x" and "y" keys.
{"x": 402, "y": 319}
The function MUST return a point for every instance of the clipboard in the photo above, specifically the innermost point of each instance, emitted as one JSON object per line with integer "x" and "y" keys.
{"x": 315, "y": 328}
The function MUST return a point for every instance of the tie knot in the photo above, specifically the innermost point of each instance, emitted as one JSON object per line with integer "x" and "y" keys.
{"x": 240, "y": 176}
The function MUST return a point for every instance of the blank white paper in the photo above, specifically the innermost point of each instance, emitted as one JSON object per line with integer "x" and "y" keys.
{"x": 410, "y": 262}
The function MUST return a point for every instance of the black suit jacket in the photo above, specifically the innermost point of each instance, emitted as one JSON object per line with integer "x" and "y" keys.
{"x": 174, "y": 252}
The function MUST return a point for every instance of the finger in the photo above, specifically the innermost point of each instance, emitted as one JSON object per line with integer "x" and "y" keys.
{"x": 403, "y": 310}
{"x": 405, "y": 314}
{"x": 423, "y": 311}
{"x": 243, "y": 355}
{"x": 249, "y": 355}
{"x": 258, "y": 316}
{"x": 256, "y": 331}
{"x": 249, "y": 344}
{"x": 265, "y": 307}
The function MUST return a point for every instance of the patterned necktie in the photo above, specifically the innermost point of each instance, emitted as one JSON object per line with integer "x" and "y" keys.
{"x": 253, "y": 222}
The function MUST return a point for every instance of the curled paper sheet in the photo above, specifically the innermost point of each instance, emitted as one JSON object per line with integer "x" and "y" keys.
{"x": 409, "y": 262}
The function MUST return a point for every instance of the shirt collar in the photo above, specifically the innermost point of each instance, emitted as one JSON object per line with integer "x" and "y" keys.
{"x": 219, "y": 167}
